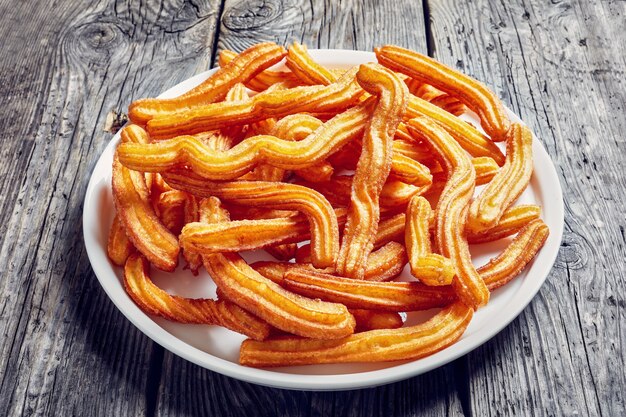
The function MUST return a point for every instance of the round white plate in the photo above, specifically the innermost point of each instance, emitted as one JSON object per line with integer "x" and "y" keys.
{"x": 218, "y": 349}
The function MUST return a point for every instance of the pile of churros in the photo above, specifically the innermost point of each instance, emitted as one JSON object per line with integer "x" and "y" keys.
{"x": 344, "y": 176}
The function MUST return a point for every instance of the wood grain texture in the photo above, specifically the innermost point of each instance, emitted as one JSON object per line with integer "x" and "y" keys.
{"x": 65, "y": 349}
{"x": 560, "y": 66}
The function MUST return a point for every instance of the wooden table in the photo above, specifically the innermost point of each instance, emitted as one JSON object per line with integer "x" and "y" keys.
{"x": 66, "y": 350}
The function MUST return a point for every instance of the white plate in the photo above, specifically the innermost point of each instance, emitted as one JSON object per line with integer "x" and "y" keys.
{"x": 217, "y": 349}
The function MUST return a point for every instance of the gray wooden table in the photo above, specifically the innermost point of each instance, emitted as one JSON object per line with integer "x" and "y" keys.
{"x": 66, "y": 350}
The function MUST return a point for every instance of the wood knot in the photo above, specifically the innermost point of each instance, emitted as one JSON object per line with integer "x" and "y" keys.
{"x": 96, "y": 42}
{"x": 245, "y": 15}
{"x": 574, "y": 253}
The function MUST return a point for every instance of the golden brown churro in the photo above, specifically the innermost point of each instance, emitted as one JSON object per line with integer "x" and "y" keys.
{"x": 264, "y": 79}
{"x": 334, "y": 98}
{"x": 451, "y": 212}
{"x": 472, "y": 93}
{"x": 470, "y": 139}
{"x": 266, "y": 299}
{"x": 429, "y": 268}
{"x": 245, "y": 66}
{"x": 372, "y": 346}
{"x": 234, "y": 162}
{"x": 373, "y": 168}
{"x": 508, "y": 183}
{"x": 355, "y": 293}
{"x": 305, "y": 68}
{"x": 142, "y": 226}
{"x": 510, "y": 223}
{"x": 319, "y": 212}
{"x": 375, "y": 320}
{"x": 119, "y": 247}
{"x": 516, "y": 256}
{"x": 153, "y": 300}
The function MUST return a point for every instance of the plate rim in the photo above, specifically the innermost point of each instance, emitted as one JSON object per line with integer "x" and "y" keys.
{"x": 332, "y": 382}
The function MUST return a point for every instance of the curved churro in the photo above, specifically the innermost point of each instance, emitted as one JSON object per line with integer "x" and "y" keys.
{"x": 334, "y": 98}
{"x": 153, "y": 300}
{"x": 234, "y": 162}
{"x": 319, "y": 212}
{"x": 375, "y": 320}
{"x": 470, "y": 139}
{"x": 302, "y": 65}
{"x": 383, "y": 264}
{"x": 264, "y": 79}
{"x": 143, "y": 227}
{"x": 435, "y": 96}
{"x": 283, "y": 252}
{"x": 297, "y": 127}
{"x": 410, "y": 171}
{"x": 373, "y": 168}
{"x": 451, "y": 212}
{"x": 514, "y": 219}
{"x": 472, "y": 93}
{"x": 241, "y": 235}
{"x": 507, "y": 184}
{"x": 245, "y": 66}
{"x": 119, "y": 247}
{"x": 429, "y": 268}
{"x": 506, "y": 266}
{"x": 372, "y": 346}
{"x": 486, "y": 168}
{"x": 269, "y": 301}
{"x": 356, "y": 293}
{"x": 176, "y": 208}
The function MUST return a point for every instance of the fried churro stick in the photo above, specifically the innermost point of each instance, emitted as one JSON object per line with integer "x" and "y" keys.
{"x": 234, "y": 162}
{"x": 242, "y": 235}
{"x": 225, "y": 138}
{"x": 451, "y": 212}
{"x": 300, "y": 62}
{"x": 395, "y": 194}
{"x": 142, "y": 226}
{"x": 284, "y": 252}
{"x": 305, "y": 68}
{"x": 410, "y": 171}
{"x": 264, "y": 79}
{"x": 412, "y": 342}
{"x": 486, "y": 168}
{"x": 470, "y": 139}
{"x": 429, "y": 268}
{"x": 245, "y": 66}
{"x": 375, "y": 320}
{"x": 507, "y": 184}
{"x": 322, "y": 220}
{"x": 153, "y": 300}
{"x": 472, "y": 93}
{"x": 383, "y": 264}
{"x": 438, "y": 98}
{"x": 506, "y": 266}
{"x": 514, "y": 219}
{"x": 175, "y": 209}
{"x": 298, "y": 127}
{"x": 373, "y": 168}
{"x": 355, "y": 293}
{"x": 119, "y": 247}
{"x": 279, "y": 307}
{"x": 334, "y": 98}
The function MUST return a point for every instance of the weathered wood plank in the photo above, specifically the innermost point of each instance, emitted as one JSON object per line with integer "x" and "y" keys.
{"x": 65, "y": 349}
{"x": 187, "y": 389}
{"x": 560, "y": 65}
